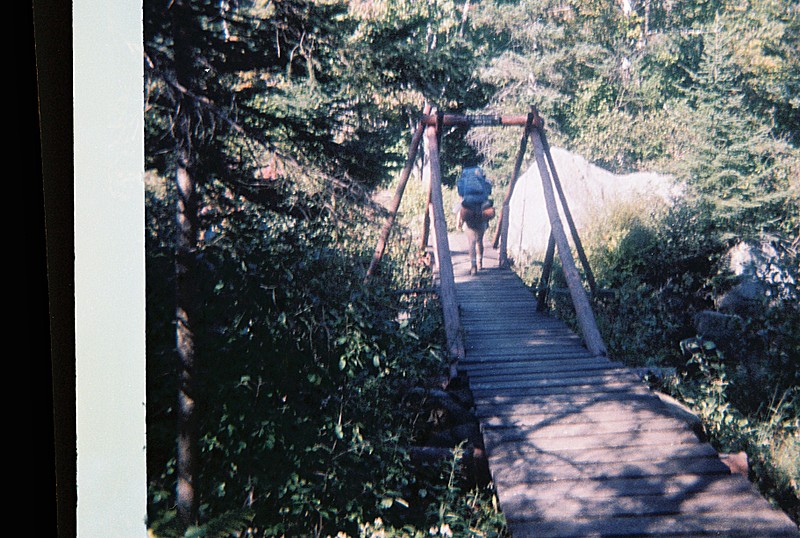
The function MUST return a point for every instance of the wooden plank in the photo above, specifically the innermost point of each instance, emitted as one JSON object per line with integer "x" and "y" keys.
{"x": 495, "y": 437}
{"x": 480, "y": 351}
{"x": 727, "y": 524}
{"x": 523, "y": 389}
{"x": 600, "y": 375}
{"x": 551, "y": 409}
{"x": 627, "y": 506}
{"x": 476, "y": 370}
{"x": 489, "y": 319}
{"x": 561, "y": 403}
{"x": 529, "y": 472}
{"x": 598, "y": 426}
{"x": 523, "y": 353}
{"x": 604, "y": 455}
{"x": 531, "y": 415}
{"x": 546, "y": 370}
{"x": 543, "y": 342}
{"x": 589, "y": 489}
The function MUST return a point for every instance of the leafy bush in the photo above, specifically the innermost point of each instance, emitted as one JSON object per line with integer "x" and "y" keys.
{"x": 768, "y": 435}
{"x": 304, "y": 370}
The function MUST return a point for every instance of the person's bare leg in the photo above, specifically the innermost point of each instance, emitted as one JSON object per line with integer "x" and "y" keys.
{"x": 472, "y": 238}
{"x": 479, "y": 245}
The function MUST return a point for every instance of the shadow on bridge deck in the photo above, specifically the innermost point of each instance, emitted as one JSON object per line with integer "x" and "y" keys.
{"x": 577, "y": 444}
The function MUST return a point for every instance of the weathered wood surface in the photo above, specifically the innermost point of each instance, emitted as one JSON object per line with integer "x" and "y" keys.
{"x": 577, "y": 445}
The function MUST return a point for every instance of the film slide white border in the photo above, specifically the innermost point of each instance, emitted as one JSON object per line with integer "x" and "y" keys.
{"x": 109, "y": 268}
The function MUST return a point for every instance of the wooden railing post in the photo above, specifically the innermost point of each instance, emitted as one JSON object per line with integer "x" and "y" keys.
{"x": 447, "y": 288}
{"x": 426, "y": 181}
{"x": 398, "y": 196}
{"x": 583, "y": 309}
{"x": 501, "y": 235}
{"x": 547, "y": 268}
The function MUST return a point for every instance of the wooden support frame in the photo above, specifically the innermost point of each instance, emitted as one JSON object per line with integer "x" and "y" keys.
{"x": 580, "y": 300}
{"x": 398, "y": 196}
{"x": 547, "y": 268}
{"x": 501, "y": 235}
{"x": 479, "y": 120}
{"x": 568, "y": 216}
{"x": 430, "y": 128}
{"x": 447, "y": 286}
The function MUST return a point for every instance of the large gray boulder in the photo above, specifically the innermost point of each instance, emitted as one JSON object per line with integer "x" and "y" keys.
{"x": 592, "y": 193}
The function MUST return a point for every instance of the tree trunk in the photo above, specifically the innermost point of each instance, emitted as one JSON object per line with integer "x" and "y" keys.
{"x": 186, "y": 290}
{"x": 185, "y": 339}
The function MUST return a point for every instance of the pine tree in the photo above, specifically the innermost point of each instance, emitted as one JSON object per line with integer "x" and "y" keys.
{"x": 733, "y": 158}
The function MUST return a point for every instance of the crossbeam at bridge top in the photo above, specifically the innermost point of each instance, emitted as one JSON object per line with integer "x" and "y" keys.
{"x": 482, "y": 120}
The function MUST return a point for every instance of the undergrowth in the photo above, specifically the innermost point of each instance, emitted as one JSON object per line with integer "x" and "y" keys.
{"x": 770, "y": 436}
{"x": 304, "y": 374}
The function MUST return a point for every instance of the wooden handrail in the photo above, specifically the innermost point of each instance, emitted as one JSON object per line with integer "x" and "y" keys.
{"x": 580, "y": 300}
{"x": 447, "y": 287}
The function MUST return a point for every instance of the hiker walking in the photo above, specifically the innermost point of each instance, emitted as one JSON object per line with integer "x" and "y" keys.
{"x": 474, "y": 189}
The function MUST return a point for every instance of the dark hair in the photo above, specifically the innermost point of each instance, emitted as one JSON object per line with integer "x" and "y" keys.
{"x": 472, "y": 162}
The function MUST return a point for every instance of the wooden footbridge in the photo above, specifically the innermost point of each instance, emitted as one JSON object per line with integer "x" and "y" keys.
{"x": 577, "y": 444}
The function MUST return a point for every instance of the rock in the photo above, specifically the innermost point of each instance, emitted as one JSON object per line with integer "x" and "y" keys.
{"x": 441, "y": 439}
{"x": 737, "y": 463}
{"x": 592, "y": 193}
{"x": 745, "y": 298}
{"x": 728, "y": 332}
{"x": 718, "y": 327}
{"x": 755, "y": 268}
{"x": 451, "y": 437}
{"x": 463, "y": 396}
{"x": 469, "y": 432}
{"x": 660, "y": 373}
{"x": 474, "y": 462}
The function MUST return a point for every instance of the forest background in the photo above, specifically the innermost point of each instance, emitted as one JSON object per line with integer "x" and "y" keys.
{"x": 284, "y": 116}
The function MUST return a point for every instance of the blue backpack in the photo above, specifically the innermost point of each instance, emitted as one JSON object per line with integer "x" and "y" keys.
{"x": 473, "y": 187}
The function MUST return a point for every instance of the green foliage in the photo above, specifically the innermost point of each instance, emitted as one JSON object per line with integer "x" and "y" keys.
{"x": 659, "y": 268}
{"x": 304, "y": 419}
{"x": 768, "y": 436}
{"x": 222, "y": 526}
{"x": 452, "y": 510}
